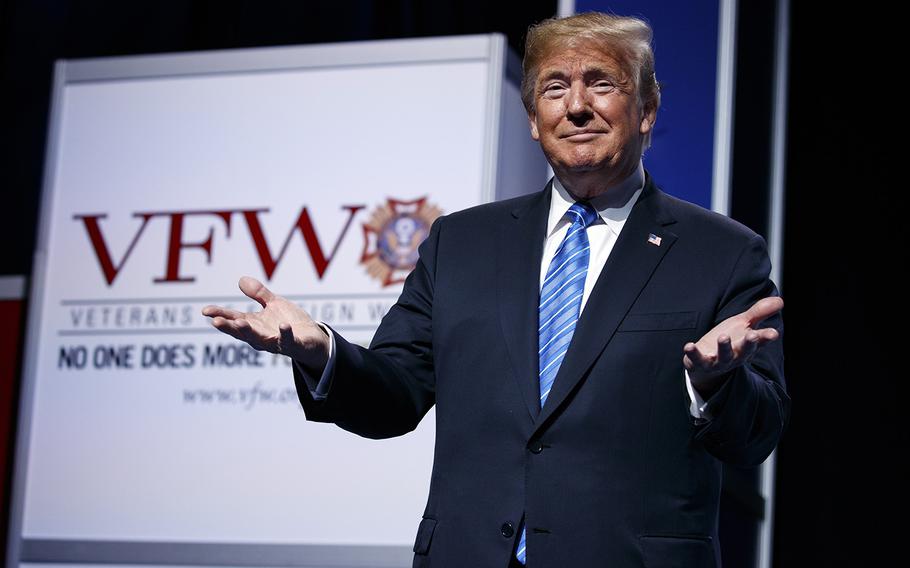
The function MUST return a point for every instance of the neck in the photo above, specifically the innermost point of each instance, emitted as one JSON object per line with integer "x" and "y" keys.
{"x": 607, "y": 187}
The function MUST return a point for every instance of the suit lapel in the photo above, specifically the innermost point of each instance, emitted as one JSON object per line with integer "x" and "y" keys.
{"x": 626, "y": 272}
{"x": 519, "y": 248}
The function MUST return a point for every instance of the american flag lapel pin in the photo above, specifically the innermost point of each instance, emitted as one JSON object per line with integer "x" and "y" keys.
{"x": 654, "y": 239}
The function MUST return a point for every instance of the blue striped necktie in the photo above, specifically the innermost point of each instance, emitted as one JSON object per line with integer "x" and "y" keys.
{"x": 560, "y": 304}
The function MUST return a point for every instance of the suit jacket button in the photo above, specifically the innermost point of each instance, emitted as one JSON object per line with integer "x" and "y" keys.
{"x": 535, "y": 446}
{"x": 507, "y": 530}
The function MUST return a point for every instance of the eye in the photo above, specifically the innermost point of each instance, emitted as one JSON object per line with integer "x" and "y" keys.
{"x": 552, "y": 90}
{"x": 604, "y": 86}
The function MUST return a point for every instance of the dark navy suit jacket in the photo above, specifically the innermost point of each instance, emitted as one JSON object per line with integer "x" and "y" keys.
{"x": 613, "y": 471}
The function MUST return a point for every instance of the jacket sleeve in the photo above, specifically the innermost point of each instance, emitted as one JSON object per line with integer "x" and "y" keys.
{"x": 385, "y": 391}
{"x": 751, "y": 410}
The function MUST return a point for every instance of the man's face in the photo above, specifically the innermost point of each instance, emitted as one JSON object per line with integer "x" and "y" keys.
{"x": 586, "y": 115}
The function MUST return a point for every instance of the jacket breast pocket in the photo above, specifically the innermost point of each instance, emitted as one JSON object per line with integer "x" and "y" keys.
{"x": 666, "y": 321}
{"x": 424, "y": 535}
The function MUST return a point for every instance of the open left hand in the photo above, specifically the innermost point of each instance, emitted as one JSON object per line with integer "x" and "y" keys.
{"x": 280, "y": 327}
{"x": 729, "y": 344}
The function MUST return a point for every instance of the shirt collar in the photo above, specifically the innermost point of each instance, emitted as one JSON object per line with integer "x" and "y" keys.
{"x": 613, "y": 217}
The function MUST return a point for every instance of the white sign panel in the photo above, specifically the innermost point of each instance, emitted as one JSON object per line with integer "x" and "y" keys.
{"x": 144, "y": 424}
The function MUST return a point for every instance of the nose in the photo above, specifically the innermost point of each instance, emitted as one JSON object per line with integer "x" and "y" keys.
{"x": 578, "y": 104}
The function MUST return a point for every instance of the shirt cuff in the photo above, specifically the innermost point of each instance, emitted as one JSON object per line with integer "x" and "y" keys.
{"x": 697, "y": 405}
{"x": 319, "y": 389}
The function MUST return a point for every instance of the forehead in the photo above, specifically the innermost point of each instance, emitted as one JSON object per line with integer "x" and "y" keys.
{"x": 579, "y": 58}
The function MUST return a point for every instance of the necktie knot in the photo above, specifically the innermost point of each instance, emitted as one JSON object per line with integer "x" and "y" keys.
{"x": 583, "y": 213}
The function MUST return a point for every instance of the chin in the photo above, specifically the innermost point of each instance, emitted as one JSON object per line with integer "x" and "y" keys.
{"x": 582, "y": 166}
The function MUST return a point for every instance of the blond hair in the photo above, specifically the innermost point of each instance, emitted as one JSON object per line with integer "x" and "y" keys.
{"x": 628, "y": 38}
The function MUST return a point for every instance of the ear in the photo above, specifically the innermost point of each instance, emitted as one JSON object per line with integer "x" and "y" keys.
{"x": 532, "y": 123}
{"x": 648, "y": 118}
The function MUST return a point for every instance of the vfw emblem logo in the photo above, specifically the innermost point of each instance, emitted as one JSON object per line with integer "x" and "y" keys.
{"x": 392, "y": 235}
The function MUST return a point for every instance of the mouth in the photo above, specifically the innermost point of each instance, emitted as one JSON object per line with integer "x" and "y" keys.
{"x": 582, "y": 135}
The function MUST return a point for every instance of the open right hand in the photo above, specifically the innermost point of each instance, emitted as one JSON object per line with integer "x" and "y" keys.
{"x": 280, "y": 327}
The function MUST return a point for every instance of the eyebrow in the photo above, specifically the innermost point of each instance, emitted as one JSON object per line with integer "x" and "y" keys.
{"x": 588, "y": 72}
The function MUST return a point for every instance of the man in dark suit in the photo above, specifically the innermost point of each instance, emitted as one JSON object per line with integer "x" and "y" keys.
{"x": 595, "y": 351}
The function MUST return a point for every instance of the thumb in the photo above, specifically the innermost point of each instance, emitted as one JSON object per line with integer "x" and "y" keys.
{"x": 764, "y": 308}
{"x": 256, "y": 290}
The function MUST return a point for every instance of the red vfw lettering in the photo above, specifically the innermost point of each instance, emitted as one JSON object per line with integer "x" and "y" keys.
{"x": 305, "y": 226}
{"x": 175, "y": 245}
{"x": 109, "y": 268}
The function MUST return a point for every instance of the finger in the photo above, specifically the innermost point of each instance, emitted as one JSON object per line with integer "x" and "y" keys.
{"x": 256, "y": 290}
{"x": 696, "y": 358}
{"x": 238, "y": 329}
{"x": 285, "y": 338}
{"x": 250, "y": 336}
{"x": 227, "y": 326}
{"x": 724, "y": 350}
{"x": 767, "y": 335}
{"x": 246, "y": 331}
{"x": 218, "y": 311}
{"x": 751, "y": 343}
{"x": 764, "y": 308}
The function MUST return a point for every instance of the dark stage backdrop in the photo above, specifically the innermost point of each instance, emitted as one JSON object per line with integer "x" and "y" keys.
{"x": 842, "y": 476}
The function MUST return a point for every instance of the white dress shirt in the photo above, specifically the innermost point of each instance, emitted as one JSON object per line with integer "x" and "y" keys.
{"x": 602, "y": 235}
